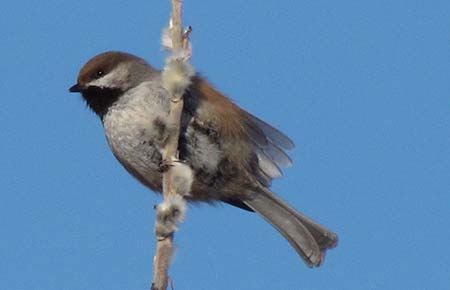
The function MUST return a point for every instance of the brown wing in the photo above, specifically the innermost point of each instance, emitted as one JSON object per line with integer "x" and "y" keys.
{"x": 267, "y": 144}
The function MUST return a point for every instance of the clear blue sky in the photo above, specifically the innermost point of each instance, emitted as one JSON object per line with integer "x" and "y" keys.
{"x": 362, "y": 87}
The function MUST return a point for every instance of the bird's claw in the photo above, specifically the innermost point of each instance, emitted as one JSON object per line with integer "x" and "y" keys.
{"x": 165, "y": 164}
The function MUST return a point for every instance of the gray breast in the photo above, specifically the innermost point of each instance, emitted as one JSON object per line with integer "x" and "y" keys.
{"x": 135, "y": 131}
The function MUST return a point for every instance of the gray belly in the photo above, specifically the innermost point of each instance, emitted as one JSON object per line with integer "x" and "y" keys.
{"x": 136, "y": 143}
{"x": 141, "y": 159}
{"x": 137, "y": 138}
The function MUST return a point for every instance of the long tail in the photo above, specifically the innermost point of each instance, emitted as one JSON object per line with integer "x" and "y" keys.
{"x": 308, "y": 238}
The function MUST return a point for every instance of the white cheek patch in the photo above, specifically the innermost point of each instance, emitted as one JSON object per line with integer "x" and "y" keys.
{"x": 118, "y": 77}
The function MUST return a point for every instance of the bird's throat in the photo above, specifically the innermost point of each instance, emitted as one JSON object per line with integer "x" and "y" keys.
{"x": 101, "y": 99}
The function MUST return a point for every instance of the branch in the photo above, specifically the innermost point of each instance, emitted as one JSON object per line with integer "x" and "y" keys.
{"x": 177, "y": 179}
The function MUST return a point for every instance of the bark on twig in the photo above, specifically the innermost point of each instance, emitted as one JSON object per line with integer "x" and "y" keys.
{"x": 164, "y": 251}
{"x": 177, "y": 179}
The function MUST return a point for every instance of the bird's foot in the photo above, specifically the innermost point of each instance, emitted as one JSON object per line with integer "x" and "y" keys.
{"x": 165, "y": 164}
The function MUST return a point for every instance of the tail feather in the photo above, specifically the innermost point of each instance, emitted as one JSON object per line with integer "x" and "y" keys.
{"x": 306, "y": 236}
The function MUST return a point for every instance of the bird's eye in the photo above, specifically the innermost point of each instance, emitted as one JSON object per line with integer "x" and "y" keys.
{"x": 99, "y": 73}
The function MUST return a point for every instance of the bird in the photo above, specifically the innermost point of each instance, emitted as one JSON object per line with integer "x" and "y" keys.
{"x": 233, "y": 155}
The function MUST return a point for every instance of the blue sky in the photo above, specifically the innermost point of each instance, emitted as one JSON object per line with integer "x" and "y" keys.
{"x": 362, "y": 87}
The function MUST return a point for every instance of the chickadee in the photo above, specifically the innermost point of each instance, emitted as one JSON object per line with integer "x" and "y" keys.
{"x": 233, "y": 155}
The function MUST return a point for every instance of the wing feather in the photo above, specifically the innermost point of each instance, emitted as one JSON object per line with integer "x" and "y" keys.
{"x": 273, "y": 134}
{"x": 230, "y": 121}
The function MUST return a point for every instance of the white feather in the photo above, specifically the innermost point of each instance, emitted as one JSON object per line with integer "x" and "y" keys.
{"x": 166, "y": 41}
{"x": 181, "y": 178}
{"x": 176, "y": 76}
{"x": 268, "y": 166}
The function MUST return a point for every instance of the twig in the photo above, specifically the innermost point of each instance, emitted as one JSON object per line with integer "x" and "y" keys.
{"x": 177, "y": 180}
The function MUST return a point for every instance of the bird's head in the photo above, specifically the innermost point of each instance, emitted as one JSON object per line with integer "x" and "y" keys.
{"x": 107, "y": 76}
